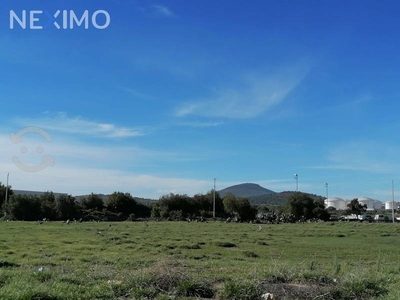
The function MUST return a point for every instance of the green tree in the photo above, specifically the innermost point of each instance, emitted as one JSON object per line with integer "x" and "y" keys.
{"x": 246, "y": 210}
{"x": 66, "y": 207}
{"x": 92, "y": 202}
{"x": 174, "y": 203}
{"x": 155, "y": 212}
{"x": 239, "y": 206}
{"x": 3, "y": 194}
{"x": 47, "y": 205}
{"x": 23, "y": 207}
{"x": 262, "y": 208}
{"x": 121, "y": 203}
{"x": 126, "y": 205}
{"x": 142, "y": 210}
{"x": 302, "y": 206}
{"x": 203, "y": 204}
{"x": 319, "y": 211}
{"x": 355, "y": 207}
{"x": 230, "y": 204}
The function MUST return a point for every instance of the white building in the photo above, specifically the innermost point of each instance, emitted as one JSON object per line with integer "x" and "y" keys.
{"x": 370, "y": 203}
{"x": 335, "y": 202}
{"x": 389, "y": 205}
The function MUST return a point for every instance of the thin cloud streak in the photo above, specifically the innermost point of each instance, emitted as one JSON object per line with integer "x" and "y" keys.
{"x": 201, "y": 124}
{"x": 161, "y": 10}
{"x": 60, "y": 122}
{"x": 137, "y": 94}
{"x": 369, "y": 156}
{"x": 79, "y": 181}
{"x": 258, "y": 94}
{"x": 374, "y": 168}
{"x": 86, "y": 155}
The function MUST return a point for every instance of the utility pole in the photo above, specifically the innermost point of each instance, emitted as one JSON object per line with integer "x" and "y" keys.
{"x": 327, "y": 195}
{"x": 393, "y": 201}
{"x": 8, "y": 175}
{"x": 326, "y": 185}
{"x": 214, "y": 200}
{"x": 296, "y": 176}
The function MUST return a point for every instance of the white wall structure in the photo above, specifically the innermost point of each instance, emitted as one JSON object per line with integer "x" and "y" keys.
{"x": 335, "y": 202}
{"x": 367, "y": 201}
{"x": 389, "y": 205}
{"x": 377, "y": 204}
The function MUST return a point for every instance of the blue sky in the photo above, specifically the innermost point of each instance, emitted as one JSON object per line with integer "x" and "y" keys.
{"x": 175, "y": 93}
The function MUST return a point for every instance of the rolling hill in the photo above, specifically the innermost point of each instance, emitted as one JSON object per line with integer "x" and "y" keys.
{"x": 246, "y": 190}
{"x": 79, "y": 197}
{"x": 257, "y": 194}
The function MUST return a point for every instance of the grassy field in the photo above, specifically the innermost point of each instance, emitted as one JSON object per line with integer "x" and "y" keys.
{"x": 178, "y": 260}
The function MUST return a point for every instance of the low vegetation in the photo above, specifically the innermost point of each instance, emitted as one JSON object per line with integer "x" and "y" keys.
{"x": 215, "y": 260}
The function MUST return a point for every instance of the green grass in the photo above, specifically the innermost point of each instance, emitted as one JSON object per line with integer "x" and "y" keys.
{"x": 210, "y": 260}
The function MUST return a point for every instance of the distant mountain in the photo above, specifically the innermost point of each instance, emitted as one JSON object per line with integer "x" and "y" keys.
{"x": 254, "y": 192}
{"x": 257, "y": 194}
{"x": 105, "y": 198}
{"x": 145, "y": 201}
{"x": 79, "y": 198}
{"x": 34, "y": 193}
{"x": 246, "y": 190}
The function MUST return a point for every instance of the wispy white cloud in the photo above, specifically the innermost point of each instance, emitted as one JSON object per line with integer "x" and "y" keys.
{"x": 357, "y": 103}
{"x": 166, "y": 63}
{"x": 135, "y": 93}
{"x": 367, "y": 155}
{"x": 162, "y": 10}
{"x": 257, "y": 95}
{"x": 60, "y": 122}
{"x": 77, "y": 181}
{"x": 73, "y": 151}
{"x": 200, "y": 124}
{"x": 82, "y": 167}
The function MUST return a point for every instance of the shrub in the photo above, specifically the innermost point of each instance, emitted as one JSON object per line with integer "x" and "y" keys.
{"x": 262, "y": 243}
{"x": 225, "y": 244}
{"x": 144, "y": 293}
{"x": 43, "y": 276}
{"x": 250, "y": 254}
{"x": 176, "y": 215}
{"x": 131, "y": 217}
{"x": 240, "y": 291}
{"x": 193, "y": 289}
{"x": 194, "y": 246}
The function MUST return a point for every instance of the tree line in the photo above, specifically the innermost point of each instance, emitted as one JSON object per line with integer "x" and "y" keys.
{"x": 122, "y": 206}
{"x": 118, "y": 207}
